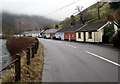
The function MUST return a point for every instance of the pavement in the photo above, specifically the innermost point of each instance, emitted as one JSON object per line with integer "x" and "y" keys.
{"x": 79, "y": 62}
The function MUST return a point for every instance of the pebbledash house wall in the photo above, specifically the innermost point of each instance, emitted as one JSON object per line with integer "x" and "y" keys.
{"x": 59, "y": 34}
{"x": 47, "y": 35}
{"x": 96, "y": 36}
{"x": 82, "y": 36}
{"x": 52, "y": 35}
{"x": 70, "y": 36}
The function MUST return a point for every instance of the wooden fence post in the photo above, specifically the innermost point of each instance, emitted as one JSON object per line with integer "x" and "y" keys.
{"x": 37, "y": 44}
{"x": 17, "y": 68}
{"x": 35, "y": 48}
{"x": 33, "y": 51}
{"x": 28, "y": 56}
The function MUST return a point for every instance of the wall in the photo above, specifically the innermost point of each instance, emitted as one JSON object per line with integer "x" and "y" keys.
{"x": 59, "y": 34}
{"x": 115, "y": 28}
{"x": 82, "y": 37}
{"x": 47, "y": 35}
{"x": 52, "y": 35}
{"x": 70, "y": 35}
{"x": 89, "y": 39}
{"x": 96, "y": 36}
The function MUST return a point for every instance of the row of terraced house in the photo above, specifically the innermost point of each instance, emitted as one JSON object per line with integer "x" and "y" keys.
{"x": 93, "y": 32}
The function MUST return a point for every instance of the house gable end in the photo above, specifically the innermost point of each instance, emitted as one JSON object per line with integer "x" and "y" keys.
{"x": 103, "y": 26}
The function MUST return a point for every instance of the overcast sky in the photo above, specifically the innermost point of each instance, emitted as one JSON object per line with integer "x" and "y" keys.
{"x": 44, "y": 7}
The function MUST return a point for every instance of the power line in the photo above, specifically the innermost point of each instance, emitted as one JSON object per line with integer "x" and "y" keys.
{"x": 61, "y": 8}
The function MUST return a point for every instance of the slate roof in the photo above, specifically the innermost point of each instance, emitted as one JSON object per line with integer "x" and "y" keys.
{"x": 70, "y": 28}
{"x": 52, "y": 30}
{"x": 92, "y": 26}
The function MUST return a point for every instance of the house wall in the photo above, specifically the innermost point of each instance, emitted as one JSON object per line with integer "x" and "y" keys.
{"x": 82, "y": 36}
{"x": 89, "y": 39}
{"x": 70, "y": 35}
{"x": 59, "y": 34}
{"x": 47, "y": 35}
{"x": 96, "y": 36}
{"x": 35, "y": 34}
{"x": 52, "y": 35}
{"x": 115, "y": 28}
{"x": 66, "y": 36}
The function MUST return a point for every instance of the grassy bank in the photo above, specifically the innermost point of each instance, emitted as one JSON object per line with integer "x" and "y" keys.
{"x": 29, "y": 73}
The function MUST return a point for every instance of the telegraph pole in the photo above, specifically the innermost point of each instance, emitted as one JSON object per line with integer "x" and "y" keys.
{"x": 19, "y": 29}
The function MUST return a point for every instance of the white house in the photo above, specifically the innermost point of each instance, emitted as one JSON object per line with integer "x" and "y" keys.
{"x": 32, "y": 33}
{"x": 91, "y": 32}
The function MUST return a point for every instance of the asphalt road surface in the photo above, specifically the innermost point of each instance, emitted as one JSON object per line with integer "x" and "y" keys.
{"x": 79, "y": 62}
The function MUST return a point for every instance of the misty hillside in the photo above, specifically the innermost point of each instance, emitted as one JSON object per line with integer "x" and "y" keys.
{"x": 12, "y": 22}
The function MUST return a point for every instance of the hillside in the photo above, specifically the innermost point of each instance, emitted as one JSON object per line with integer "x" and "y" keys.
{"x": 12, "y": 22}
{"x": 98, "y": 12}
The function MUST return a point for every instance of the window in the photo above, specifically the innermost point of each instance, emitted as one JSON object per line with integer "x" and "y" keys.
{"x": 79, "y": 35}
{"x": 90, "y": 35}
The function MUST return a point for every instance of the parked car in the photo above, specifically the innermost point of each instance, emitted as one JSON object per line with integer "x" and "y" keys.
{"x": 39, "y": 36}
{"x": 44, "y": 37}
{"x": 56, "y": 38}
{"x": 59, "y": 38}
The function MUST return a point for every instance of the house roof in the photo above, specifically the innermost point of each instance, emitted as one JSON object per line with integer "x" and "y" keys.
{"x": 70, "y": 28}
{"x": 92, "y": 26}
{"x": 52, "y": 30}
{"x": 117, "y": 24}
{"x": 42, "y": 31}
{"x": 31, "y": 32}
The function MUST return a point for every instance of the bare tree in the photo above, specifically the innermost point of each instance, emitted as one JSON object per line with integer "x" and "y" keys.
{"x": 98, "y": 7}
{"x": 79, "y": 9}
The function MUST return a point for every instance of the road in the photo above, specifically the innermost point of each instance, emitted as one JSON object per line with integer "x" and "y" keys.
{"x": 79, "y": 62}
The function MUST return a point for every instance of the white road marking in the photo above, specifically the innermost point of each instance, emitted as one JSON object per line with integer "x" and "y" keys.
{"x": 71, "y": 45}
{"x": 105, "y": 59}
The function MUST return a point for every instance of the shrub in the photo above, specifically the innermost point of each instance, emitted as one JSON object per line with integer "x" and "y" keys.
{"x": 116, "y": 39}
{"x": 19, "y": 44}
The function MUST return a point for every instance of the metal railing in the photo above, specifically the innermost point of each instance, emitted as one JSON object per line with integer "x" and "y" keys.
{"x": 30, "y": 53}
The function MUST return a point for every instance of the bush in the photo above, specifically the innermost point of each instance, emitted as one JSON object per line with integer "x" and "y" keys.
{"x": 19, "y": 44}
{"x": 116, "y": 39}
{"x": 114, "y": 5}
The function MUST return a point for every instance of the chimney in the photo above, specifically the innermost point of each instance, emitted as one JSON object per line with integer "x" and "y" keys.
{"x": 110, "y": 18}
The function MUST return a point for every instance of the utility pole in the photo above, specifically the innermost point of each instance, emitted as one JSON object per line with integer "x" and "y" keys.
{"x": 19, "y": 29}
{"x": 40, "y": 31}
